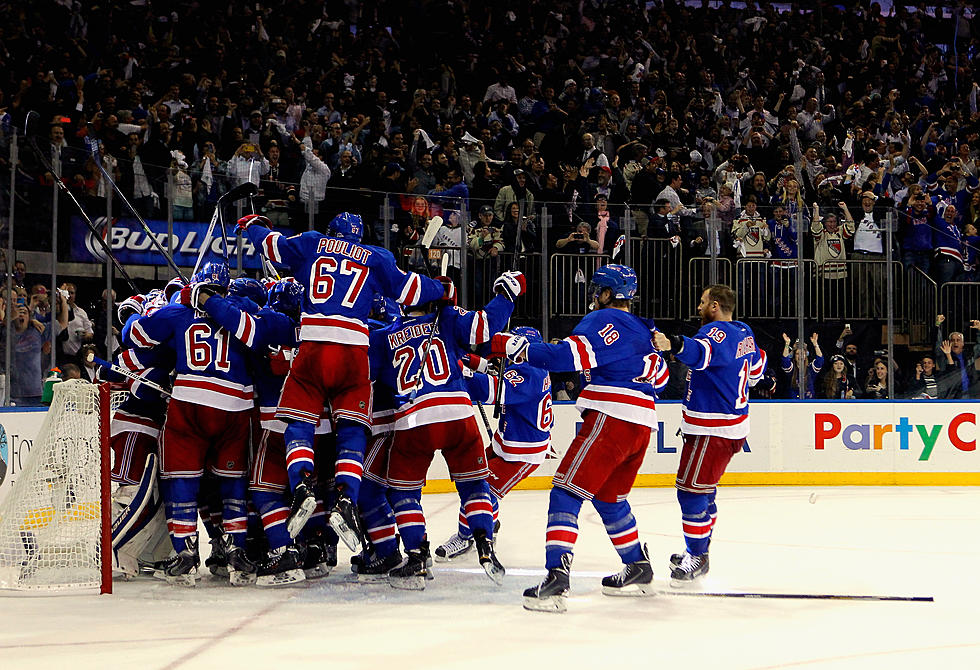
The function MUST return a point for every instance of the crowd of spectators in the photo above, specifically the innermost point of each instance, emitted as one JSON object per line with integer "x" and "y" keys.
{"x": 797, "y": 126}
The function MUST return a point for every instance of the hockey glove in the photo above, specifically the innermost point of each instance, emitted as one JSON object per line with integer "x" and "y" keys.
{"x": 664, "y": 342}
{"x": 448, "y": 290}
{"x": 474, "y": 362}
{"x": 513, "y": 347}
{"x": 249, "y": 219}
{"x": 511, "y": 284}
{"x": 200, "y": 294}
{"x": 185, "y": 296}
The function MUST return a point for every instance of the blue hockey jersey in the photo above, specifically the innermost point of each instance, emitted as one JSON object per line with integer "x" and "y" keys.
{"x": 382, "y": 395}
{"x": 272, "y": 338}
{"x": 625, "y": 371}
{"x": 526, "y": 416}
{"x": 144, "y": 409}
{"x": 724, "y": 362}
{"x": 212, "y": 365}
{"x": 341, "y": 280}
{"x": 441, "y": 394}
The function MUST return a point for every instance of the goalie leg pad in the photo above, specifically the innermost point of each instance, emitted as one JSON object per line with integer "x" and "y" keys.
{"x": 140, "y": 507}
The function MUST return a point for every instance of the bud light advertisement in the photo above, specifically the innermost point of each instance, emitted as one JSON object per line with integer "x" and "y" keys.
{"x": 132, "y": 246}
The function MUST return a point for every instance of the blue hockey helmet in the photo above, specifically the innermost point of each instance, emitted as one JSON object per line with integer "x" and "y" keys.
{"x": 246, "y": 287}
{"x": 346, "y": 226}
{"x": 384, "y": 309}
{"x": 286, "y": 297}
{"x": 620, "y": 279}
{"x": 215, "y": 273}
{"x": 532, "y": 335}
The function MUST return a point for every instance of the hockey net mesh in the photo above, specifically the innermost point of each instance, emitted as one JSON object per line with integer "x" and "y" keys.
{"x": 51, "y": 520}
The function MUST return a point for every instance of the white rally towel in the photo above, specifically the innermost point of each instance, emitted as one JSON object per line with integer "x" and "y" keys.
{"x": 620, "y": 241}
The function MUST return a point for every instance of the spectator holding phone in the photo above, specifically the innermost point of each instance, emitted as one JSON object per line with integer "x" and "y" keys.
{"x": 579, "y": 241}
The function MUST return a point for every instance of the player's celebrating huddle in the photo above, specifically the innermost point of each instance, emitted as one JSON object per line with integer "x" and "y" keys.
{"x": 303, "y": 411}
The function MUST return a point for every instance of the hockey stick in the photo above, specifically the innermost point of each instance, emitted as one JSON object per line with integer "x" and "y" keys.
{"x": 106, "y": 249}
{"x": 802, "y": 596}
{"x": 266, "y": 263}
{"x": 444, "y": 268}
{"x": 94, "y": 150}
{"x": 246, "y": 190}
{"x": 90, "y": 357}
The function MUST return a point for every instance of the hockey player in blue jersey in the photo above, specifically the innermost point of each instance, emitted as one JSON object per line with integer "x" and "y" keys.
{"x": 271, "y": 336}
{"x": 724, "y": 361}
{"x": 521, "y": 442}
{"x": 342, "y": 276}
{"x": 208, "y": 426}
{"x": 619, "y": 414}
{"x": 433, "y": 413}
{"x": 381, "y": 553}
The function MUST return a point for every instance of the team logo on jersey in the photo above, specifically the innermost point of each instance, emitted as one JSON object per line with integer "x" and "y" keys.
{"x": 835, "y": 246}
{"x": 230, "y": 464}
{"x": 362, "y": 404}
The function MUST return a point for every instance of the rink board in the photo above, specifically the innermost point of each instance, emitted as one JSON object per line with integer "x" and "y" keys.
{"x": 791, "y": 443}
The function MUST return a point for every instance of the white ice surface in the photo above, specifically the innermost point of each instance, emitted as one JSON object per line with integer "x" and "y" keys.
{"x": 878, "y": 541}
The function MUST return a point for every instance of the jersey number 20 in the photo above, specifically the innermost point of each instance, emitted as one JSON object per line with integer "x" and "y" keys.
{"x": 436, "y": 367}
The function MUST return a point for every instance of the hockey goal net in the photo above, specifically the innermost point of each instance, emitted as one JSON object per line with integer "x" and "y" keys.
{"x": 54, "y": 522}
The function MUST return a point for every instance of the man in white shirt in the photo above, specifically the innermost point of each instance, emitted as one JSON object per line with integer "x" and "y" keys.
{"x": 670, "y": 194}
{"x": 80, "y": 330}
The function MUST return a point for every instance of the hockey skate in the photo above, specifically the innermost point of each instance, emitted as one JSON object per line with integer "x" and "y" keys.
{"x": 635, "y": 579}
{"x": 454, "y": 547}
{"x": 412, "y": 572}
{"x": 551, "y": 594}
{"x": 241, "y": 571}
{"x": 304, "y": 504}
{"x": 182, "y": 568}
{"x": 376, "y": 569}
{"x": 217, "y": 562}
{"x": 488, "y": 559}
{"x": 320, "y": 558}
{"x": 283, "y": 567}
{"x": 344, "y": 520}
{"x": 689, "y": 570}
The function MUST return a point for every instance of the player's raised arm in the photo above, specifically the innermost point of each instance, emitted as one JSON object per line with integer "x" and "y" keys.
{"x": 277, "y": 247}
{"x": 480, "y": 385}
{"x": 407, "y": 288}
{"x": 476, "y": 327}
{"x": 269, "y": 327}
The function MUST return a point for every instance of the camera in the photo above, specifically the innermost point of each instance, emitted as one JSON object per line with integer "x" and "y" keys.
{"x": 880, "y": 353}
